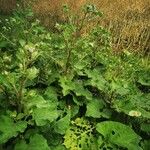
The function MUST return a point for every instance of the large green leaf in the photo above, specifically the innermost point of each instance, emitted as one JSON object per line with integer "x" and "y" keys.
{"x": 144, "y": 77}
{"x": 119, "y": 134}
{"x": 32, "y": 73}
{"x": 80, "y": 90}
{"x": 146, "y": 144}
{"x": 51, "y": 94}
{"x": 134, "y": 103}
{"x": 44, "y": 115}
{"x": 63, "y": 124}
{"x": 37, "y": 142}
{"x": 21, "y": 145}
{"x": 3, "y": 44}
{"x": 9, "y": 129}
{"x": 74, "y": 86}
{"x": 120, "y": 87}
{"x": 94, "y": 108}
{"x": 42, "y": 111}
{"x": 66, "y": 84}
{"x": 145, "y": 127}
{"x": 34, "y": 100}
{"x": 96, "y": 80}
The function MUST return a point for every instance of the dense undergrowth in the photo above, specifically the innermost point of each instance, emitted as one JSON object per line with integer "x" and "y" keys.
{"x": 65, "y": 90}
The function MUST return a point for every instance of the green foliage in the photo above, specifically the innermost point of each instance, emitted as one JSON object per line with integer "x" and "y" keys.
{"x": 79, "y": 136}
{"x": 63, "y": 124}
{"x": 119, "y": 134}
{"x": 94, "y": 108}
{"x": 37, "y": 142}
{"x": 40, "y": 109}
{"x": 67, "y": 89}
{"x": 9, "y": 129}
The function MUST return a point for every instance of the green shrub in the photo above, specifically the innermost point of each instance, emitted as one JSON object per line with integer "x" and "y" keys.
{"x": 64, "y": 90}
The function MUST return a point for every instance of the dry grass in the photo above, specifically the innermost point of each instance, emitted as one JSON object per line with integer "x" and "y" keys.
{"x": 50, "y": 11}
{"x": 7, "y": 5}
{"x": 128, "y": 20}
{"x": 129, "y": 23}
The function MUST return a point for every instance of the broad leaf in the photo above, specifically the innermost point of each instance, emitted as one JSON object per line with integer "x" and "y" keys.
{"x": 146, "y": 144}
{"x": 63, "y": 124}
{"x": 94, "y": 108}
{"x": 66, "y": 84}
{"x": 32, "y": 73}
{"x": 51, "y": 94}
{"x": 44, "y": 115}
{"x": 42, "y": 111}
{"x": 119, "y": 134}
{"x": 37, "y": 142}
{"x": 21, "y": 145}
{"x": 9, "y": 129}
{"x": 75, "y": 86}
{"x": 145, "y": 127}
{"x": 134, "y": 105}
{"x": 96, "y": 79}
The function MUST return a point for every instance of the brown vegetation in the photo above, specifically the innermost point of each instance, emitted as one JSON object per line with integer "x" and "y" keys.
{"x": 128, "y": 20}
{"x": 129, "y": 23}
{"x": 7, "y": 6}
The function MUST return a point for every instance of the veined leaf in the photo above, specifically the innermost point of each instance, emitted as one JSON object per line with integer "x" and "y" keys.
{"x": 35, "y": 100}
{"x": 44, "y": 115}
{"x": 21, "y": 145}
{"x": 94, "y": 108}
{"x": 51, "y": 94}
{"x": 119, "y": 134}
{"x": 9, "y": 129}
{"x": 63, "y": 124}
{"x": 121, "y": 88}
{"x": 145, "y": 127}
{"x": 74, "y": 86}
{"x": 42, "y": 111}
{"x": 134, "y": 105}
{"x": 80, "y": 90}
{"x": 146, "y": 145}
{"x": 37, "y": 142}
{"x": 67, "y": 85}
{"x": 96, "y": 80}
{"x": 32, "y": 73}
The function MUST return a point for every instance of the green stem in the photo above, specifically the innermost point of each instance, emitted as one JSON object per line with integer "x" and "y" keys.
{"x": 68, "y": 57}
{"x": 22, "y": 84}
{"x": 7, "y": 39}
